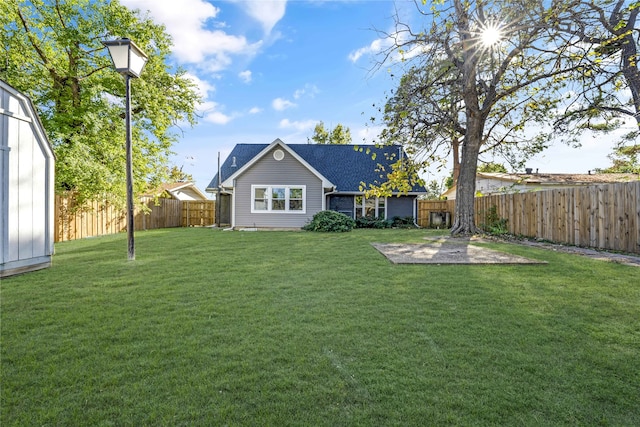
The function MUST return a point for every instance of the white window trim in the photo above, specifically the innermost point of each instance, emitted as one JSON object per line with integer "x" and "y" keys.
{"x": 362, "y": 207}
{"x": 286, "y": 203}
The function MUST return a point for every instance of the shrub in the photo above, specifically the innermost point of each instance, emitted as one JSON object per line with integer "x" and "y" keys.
{"x": 404, "y": 222}
{"x": 371, "y": 222}
{"x": 493, "y": 223}
{"x": 330, "y": 221}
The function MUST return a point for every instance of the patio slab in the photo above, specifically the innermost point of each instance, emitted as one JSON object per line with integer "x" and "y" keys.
{"x": 447, "y": 250}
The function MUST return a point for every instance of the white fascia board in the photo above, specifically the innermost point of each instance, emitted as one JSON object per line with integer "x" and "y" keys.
{"x": 32, "y": 117}
{"x": 229, "y": 181}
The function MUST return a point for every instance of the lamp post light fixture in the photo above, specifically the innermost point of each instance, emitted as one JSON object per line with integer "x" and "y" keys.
{"x": 129, "y": 60}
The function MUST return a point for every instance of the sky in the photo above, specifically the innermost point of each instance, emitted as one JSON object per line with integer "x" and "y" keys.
{"x": 270, "y": 69}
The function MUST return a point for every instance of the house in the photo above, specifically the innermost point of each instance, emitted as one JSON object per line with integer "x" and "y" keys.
{"x": 185, "y": 191}
{"x": 503, "y": 183}
{"x": 26, "y": 186}
{"x": 279, "y": 185}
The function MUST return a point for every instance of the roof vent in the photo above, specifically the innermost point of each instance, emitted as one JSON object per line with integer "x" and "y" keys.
{"x": 233, "y": 162}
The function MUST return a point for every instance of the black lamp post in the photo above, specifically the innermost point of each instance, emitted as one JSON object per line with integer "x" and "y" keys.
{"x": 129, "y": 60}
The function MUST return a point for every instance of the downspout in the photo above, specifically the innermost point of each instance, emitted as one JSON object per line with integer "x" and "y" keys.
{"x": 326, "y": 195}
{"x": 233, "y": 205}
{"x": 218, "y": 203}
{"x": 415, "y": 212}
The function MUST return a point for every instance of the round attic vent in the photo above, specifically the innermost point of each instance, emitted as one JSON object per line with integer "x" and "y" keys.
{"x": 278, "y": 155}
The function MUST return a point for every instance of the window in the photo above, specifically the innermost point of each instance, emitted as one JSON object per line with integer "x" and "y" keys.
{"x": 370, "y": 207}
{"x": 295, "y": 199}
{"x": 278, "y": 198}
{"x": 260, "y": 199}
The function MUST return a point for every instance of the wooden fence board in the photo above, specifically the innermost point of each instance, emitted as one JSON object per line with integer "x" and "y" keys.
{"x": 98, "y": 219}
{"x": 601, "y": 216}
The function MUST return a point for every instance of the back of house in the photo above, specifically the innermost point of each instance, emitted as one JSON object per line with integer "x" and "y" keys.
{"x": 282, "y": 186}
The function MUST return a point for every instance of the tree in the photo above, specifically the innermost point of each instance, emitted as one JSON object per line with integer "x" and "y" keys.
{"x": 338, "y": 135}
{"x": 176, "y": 174}
{"x": 625, "y": 159}
{"x": 609, "y": 28}
{"x": 499, "y": 80}
{"x": 52, "y": 51}
{"x": 492, "y": 167}
{"x": 433, "y": 190}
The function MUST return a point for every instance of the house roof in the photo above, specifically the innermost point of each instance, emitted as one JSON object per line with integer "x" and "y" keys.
{"x": 551, "y": 179}
{"x": 174, "y": 187}
{"x": 560, "y": 178}
{"x": 345, "y": 166}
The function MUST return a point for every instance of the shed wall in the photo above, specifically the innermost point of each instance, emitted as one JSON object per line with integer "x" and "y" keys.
{"x": 26, "y": 187}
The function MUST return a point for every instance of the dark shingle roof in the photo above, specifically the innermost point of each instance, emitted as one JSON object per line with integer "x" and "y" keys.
{"x": 346, "y": 166}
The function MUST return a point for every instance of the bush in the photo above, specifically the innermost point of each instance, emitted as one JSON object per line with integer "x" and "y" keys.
{"x": 404, "y": 222}
{"x": 371, "y": 222}
{"x": 493, "y": 223}
{"x": 330, "y": 221}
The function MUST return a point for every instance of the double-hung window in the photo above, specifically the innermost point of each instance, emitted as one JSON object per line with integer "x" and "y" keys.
{"x": 278, "y": 198}
{"x": 373, "y": 208}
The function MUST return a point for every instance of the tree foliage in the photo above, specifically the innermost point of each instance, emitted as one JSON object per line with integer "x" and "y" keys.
{"x": 607, "y": 86}
{"x": 338, "y": 135}
{"x": 492, "y": 167}
{"x": 624, "y": 159}
{"x": 52, "y": 51}
{"x": 498, "y": 86}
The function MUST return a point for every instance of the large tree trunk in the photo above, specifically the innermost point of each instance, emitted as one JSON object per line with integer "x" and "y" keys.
{"x": 464, "y": 217}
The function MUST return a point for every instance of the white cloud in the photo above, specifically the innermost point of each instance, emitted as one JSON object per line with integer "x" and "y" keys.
{"x": 245, "y": 76}
{"x": 367, "y": 135}
{"x": 374, "y": 48}
{"x": 281, "y": 104}
{"x": 193, "y": 42}
{"x": 211, "y": 113}
{"x": 255, "y": 110}
{"x": 386, "y": 44}
{"x": 204, "y": 87}
{"x": 266, "y": 12}
{"x": 299, "y": 126}
{"x": 309, "y": 90}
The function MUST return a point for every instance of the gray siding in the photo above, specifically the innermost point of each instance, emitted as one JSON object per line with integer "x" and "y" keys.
{"x": 269, "y": 171}
{"x": 400, "y": 206}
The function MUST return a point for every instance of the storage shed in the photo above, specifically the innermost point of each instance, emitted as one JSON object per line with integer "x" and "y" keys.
{"x": 26, "y": 186}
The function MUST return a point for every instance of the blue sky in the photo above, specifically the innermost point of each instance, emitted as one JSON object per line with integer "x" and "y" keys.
{"x": 273, "y": 69}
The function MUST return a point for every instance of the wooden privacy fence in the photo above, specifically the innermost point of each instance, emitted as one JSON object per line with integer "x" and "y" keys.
{"x": 599, "y": 216}
{"x": 101, "y": 218}
{"x": 198, "y": 213}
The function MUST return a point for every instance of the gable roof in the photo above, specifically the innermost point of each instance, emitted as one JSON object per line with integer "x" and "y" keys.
{"x": 343, "y": 166}
{"x": 175, "y": 188}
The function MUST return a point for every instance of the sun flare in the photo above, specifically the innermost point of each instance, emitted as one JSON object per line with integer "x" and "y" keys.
{"x": 491, "y": 35}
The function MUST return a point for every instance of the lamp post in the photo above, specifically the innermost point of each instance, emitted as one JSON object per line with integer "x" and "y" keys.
{"x": 129, "y": 60}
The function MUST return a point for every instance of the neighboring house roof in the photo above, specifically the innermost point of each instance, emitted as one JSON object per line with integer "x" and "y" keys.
{"x": 343, "y": 166}
{"x": 497, "y": 182}
{"x": 180, "y": 191}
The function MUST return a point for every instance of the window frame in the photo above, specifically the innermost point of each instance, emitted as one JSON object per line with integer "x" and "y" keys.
{"x": 269, "y": 199}
{"x": 377, "y": 204}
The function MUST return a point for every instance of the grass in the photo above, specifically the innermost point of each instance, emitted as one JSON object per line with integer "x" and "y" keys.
{"x": 293, "y": 328}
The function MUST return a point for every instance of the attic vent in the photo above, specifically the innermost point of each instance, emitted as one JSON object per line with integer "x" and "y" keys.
{"x": 278, "y": 155}
{"x": 233, "y": 162}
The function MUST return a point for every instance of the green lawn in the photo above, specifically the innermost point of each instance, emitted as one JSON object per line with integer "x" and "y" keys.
{"x": 295, "y": 328}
